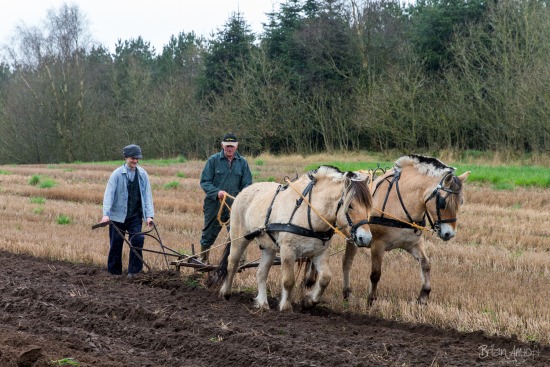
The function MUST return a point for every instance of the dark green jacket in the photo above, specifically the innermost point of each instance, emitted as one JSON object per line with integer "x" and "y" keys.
{"x": 217, "y": 176}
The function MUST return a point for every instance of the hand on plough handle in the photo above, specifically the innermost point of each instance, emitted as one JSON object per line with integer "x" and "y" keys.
{"x": 99, "y": 225}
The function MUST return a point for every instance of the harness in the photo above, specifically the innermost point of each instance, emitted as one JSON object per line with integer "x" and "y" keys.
{"x": 293, "y": 228}
{"x": 289, "y": 227}
{"x": 417, "y": 226}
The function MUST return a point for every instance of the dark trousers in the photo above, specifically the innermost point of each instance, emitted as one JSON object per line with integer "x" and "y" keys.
{"x": 212, "y": 227}
{"x": 114, "y": 261}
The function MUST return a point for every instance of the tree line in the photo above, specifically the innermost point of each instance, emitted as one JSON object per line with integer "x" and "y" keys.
{"x": 323, "y": 75}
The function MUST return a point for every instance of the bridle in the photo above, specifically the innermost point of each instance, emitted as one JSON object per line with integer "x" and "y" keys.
{"x": 440, "y": 203}
{"x": 353, "y": 226}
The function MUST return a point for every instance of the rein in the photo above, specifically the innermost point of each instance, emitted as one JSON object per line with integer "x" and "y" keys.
{"x": 222, "y": 204}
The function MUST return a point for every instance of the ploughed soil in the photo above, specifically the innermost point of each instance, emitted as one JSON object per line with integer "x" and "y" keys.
{"x": 51, "y": 311}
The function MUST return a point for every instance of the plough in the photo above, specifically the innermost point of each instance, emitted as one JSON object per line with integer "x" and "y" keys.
{"x": 178, "y": 259}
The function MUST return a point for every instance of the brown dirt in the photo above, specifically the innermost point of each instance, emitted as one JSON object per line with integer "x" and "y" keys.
{"x": 52, "y": 310}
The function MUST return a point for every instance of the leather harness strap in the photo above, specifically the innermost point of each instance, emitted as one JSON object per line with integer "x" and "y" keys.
{"x": 269, "y": 228}
{"x": 301, "y": 231}
{"x": 390, "y": 222}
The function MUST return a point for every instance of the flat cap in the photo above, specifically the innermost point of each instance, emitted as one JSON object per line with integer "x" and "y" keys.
{"x": 132, "y": 150}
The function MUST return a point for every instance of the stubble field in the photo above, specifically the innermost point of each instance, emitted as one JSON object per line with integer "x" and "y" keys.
{"x": 492, "y": 277}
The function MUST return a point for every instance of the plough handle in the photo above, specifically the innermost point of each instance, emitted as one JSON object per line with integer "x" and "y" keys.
{"x": 99, "y": 225}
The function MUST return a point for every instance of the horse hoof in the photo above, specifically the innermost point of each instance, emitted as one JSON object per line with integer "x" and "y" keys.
{"x": 370, "y": 301}
{"x": 308, "y": 303}
{"x": 346, "y": 294}
{"x": 423, "y": 297}
{"x": 285, "y": 308}
{"x": 422, "y": 301}
{"x": 264, "y": 307}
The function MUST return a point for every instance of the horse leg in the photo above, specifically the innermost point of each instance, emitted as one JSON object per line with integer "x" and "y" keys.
{"x": 310, "y": 277}
{"x": 377, "y": 255}
{"x": 418, "y": 253}
{"x": 288, "y": 260}
{"x": 313, "y": 297}
{"x": 349, "y": 255}
{"x": 237, "y": 249}
{"x": 261, "y": 277}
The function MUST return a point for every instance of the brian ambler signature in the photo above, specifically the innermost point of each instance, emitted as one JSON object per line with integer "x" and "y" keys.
{"x": 514, "y": 355}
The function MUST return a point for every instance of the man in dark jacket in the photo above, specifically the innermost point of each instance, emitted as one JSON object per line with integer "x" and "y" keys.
{"x": 226, "y": 172}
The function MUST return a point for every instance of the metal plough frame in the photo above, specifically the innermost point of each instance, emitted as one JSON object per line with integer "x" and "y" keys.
{"x": 185, "y": 260}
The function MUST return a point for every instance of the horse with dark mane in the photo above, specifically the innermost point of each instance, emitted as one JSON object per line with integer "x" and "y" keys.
{"x": 296, "y": 220}
{"x": 418, "y": 191}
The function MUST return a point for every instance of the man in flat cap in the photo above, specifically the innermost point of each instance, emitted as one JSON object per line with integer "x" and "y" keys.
{"x": 225, "y": 172}
{"x": 128, "y": 201}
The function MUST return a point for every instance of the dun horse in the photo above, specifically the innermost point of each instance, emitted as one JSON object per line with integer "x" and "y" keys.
{"x": 297, "y": 220}
{"x": 417, "y": 189}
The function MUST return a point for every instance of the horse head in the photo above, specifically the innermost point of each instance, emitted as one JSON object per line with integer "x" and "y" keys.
{"x": 354, "y": 204}
{"x": 443, "y": 203}
{"x": 357, "y": 205}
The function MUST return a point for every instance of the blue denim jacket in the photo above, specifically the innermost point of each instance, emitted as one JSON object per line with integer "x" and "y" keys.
{"x": 115, "y": 200}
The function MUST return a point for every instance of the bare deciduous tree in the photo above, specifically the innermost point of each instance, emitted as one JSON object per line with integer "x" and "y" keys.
{"x": 49, "y": 64}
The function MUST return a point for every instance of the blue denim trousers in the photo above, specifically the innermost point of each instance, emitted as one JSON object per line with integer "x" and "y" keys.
{"x": 131, "y": 227}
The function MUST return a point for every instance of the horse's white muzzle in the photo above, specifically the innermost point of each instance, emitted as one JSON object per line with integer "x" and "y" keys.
{"x": 446, "y": 232}
{"x": 362, "y": 237}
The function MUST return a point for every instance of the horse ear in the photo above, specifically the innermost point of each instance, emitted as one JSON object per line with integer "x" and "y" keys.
{"x": 463, "y": 177}
{"x": 360, "y": 175}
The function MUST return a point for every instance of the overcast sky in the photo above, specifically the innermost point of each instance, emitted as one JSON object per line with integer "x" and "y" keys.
{"x": 154, "y": 20}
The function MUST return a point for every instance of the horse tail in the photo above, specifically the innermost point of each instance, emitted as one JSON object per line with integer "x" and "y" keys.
{"x": 218, "y": 275}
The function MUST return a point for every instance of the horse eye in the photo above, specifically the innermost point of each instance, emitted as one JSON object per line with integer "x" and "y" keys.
{"x": 350, "y": 207}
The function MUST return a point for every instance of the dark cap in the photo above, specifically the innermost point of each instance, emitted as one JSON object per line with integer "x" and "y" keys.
{"x": 229, "y": 139}
{"x": 132, "y": 151}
